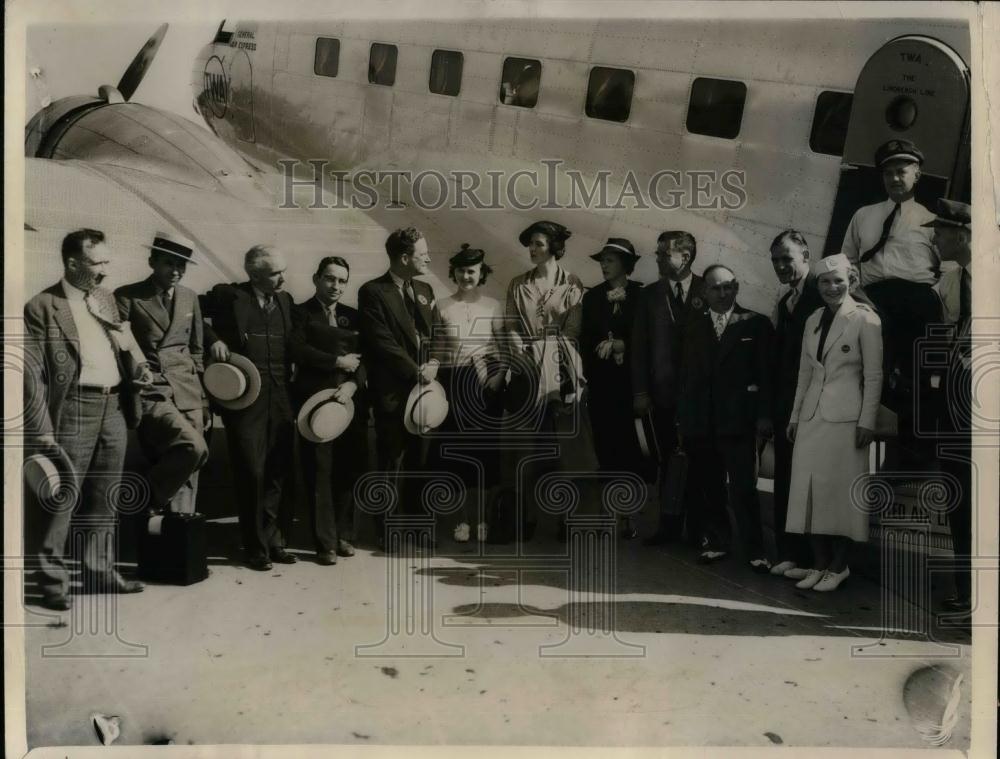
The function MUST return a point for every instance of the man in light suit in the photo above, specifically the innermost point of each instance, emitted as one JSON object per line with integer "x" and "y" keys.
{"x": 397, "y": 312}
{"x": 79, "y": 395}
{"x": 325, "y": 350}
{"x": 790, "y": 259}
{"x": 663, "y": 309}
{"x": 953, "y": 239}
{"x": 725, "y": 404}
{"x": 166, "y": 321}
{"x": 254, "y": 319}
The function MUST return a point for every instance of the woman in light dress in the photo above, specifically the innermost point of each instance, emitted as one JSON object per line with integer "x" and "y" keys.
{"x": 466, "y": 341}
{"x": 833, "y": 423}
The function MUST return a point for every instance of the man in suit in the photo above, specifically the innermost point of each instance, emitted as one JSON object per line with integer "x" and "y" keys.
{"x": 396, "y": 312}
{"x": 166, "y": 322}
{"x": 664, "y": 308}
{"x": 790, "y": 259}
{"x": 325, "y": 350}
{"x": 80, "y": 397}
{"x": 725, "y": 403}
{"x": 254, "y": 319}
{"x": 953, "y": 239}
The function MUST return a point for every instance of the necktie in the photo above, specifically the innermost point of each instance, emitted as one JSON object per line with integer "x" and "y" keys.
{"x": 793, "y": 298}
{"x": 268, "y": 303}
{"x": 167, "y": 299}
{"x": 408, "y": 299}
{"x": 886, "y": 227}
{"x": 720, "y": 324}
{"x": 107, "y": 322}
{"x": 331, "y": 315}
{"x": 824, "y": 326}
{"x": 679, "y": 293}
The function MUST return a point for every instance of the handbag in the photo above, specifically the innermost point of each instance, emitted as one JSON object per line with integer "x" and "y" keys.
{"x": 173, "y": 548}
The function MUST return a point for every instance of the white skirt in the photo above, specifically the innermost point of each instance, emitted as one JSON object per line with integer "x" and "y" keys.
{"x": 825, "y": 464}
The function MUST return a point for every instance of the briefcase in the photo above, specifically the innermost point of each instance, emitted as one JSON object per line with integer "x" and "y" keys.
{"x": 173, "y": 549}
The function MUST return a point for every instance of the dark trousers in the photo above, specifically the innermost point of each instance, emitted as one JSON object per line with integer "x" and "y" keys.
{"x": 788, "y": 546}
{"x": 172, "y": 440}
{"x": 330, "y": 471}
{"x": 260, "y": 441}
{"x": 960, "y": 519}
{"x": 399, "y": 455}
{"x": 674, "y": 507}
{"x": 92, "y": 431}
{"x": 711, "y": 461}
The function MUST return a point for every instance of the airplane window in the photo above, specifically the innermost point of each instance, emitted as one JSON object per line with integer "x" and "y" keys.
{"x": 609, "y": 94}
{"x": 716, "y": 107}
{"x": 519, "y": 82}
{"x": 829, "y": 127}
{"x": 327, "y": 59}
{"x": 224, "y": 34}
{"x": 382, "y": 64}
{"x": 446, "y": 72}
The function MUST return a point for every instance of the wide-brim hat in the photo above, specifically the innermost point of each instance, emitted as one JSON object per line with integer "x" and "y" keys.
{"x": 322, "y": 419}
{"x": 233, "y": 384}
{"x": 553, "y": 230}
{"x": 619, "y": 246}
{"x": 48, "y": 473}
{"x": 175, "y": 245}
{"x": 951, "y": 214}
{"x": 426, "y": 408}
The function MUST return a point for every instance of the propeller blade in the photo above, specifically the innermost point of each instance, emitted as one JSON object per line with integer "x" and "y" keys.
{"x": 133, "y": 75}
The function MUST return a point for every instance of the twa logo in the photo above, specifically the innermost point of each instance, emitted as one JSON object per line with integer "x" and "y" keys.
{"x": 215, "y": 86}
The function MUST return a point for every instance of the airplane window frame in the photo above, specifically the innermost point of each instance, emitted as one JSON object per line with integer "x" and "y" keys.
{"x": 703, "y": 113}
{"x": 461, "y": 71}
{"x": 589, "y": 105}
{"x": 392, "y": 69}
{"x": 336, "y": 60}
{"x": 816, "y": 124}
{"x": 514, "y": 59}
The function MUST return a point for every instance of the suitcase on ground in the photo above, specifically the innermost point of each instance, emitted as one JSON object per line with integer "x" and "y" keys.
{"x": 173, "y": 549}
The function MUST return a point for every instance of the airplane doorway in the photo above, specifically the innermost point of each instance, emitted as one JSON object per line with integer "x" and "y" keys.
{"x": 914, "y": 88}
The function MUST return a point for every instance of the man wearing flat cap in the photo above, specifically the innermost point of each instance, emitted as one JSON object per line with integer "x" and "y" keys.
{"x": 254, "y": 319}
{"x": 899, "y": 267}
{"x": 166, "y": 322}
{"x": 953, "y": 238}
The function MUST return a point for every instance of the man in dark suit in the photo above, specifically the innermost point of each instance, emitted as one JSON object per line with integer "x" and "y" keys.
{"x": 166, "y": 322}
{"x": 254, "y": 319}
{"x": 790, "y": 259}
{"x": 397, "y": 312}
{"x": 78, "y": 395}
{"x": 664, "y": 308}
{"x": 725, "y": 404}
{"x": 325, "y": 345}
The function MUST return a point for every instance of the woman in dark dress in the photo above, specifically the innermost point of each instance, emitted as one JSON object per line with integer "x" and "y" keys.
{"x": 608, "y": 311}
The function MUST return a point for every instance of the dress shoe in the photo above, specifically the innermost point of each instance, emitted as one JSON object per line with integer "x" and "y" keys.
{"x": 760, "y": 566}
{"x": 796, "y": 573}
{"x": 112, "y": 583}
{"x": 461, "y": 533}
{"x": 326, "y": 558}
{"x": 781, "y": 567}
{"x": 629, "y": 532}
{"x": 812, "y": 577}
{"x": 56, "y": 601}
{"x": 482, "y": 532}
{"x": 260, "y": 563}
{"x": 282, "y": 556}
{"x": 957, "y": 604}
{"x": 344, "y": 548}
{"x": 831, "y": 580}
{"x": 709, "y": 556}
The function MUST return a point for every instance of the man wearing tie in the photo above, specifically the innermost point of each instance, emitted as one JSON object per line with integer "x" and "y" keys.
{"x": 254, "y": 319}
{"x": 78, "y": 395}
{"x": 790, "y": 259}
{"x": 953, "y": 239}
{"x": 663, "y": 309}
{"x": 899, "y": 266}
{"x": 326, "y": 353}
{"x": 725, "y": 404}
{"x": 166, "y": 321}
{"x": 396, "y": 313}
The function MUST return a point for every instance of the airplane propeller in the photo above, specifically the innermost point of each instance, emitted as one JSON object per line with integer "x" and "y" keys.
{"x": 136, "y": 70}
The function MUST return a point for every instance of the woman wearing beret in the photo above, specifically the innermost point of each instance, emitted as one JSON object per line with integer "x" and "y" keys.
{"x": 543, "y": 319}
{"x": 466, "y": 340}
{"x": 608, "y": 311}
{"x": 833, "y": 423}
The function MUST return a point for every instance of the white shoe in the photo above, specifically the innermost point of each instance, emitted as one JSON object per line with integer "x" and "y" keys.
{"x": 482, "y": 531}
{"x": 781, "y": 567}
{"x": 812, "y": 577}
{"x": 832, "y": 580}
{"x": 796, "y": 573}
{"x": 462, "y": 533}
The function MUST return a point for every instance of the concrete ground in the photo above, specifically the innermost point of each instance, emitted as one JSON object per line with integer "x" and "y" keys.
{"x": 701, "y": 656}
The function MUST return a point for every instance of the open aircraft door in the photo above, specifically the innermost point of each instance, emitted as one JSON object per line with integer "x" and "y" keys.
{"x": 914, "y": 88}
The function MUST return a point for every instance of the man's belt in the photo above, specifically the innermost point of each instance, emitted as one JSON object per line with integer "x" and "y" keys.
{"x": 99, "y": 389}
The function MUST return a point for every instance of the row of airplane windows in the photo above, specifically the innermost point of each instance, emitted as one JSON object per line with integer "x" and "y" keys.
{"x": 715, "y": 107}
